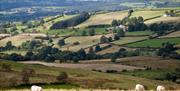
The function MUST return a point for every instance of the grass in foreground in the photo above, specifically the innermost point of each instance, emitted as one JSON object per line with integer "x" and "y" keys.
{"x": 88, "y": 79}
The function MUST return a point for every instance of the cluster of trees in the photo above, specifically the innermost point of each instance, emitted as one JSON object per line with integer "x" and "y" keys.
{"x": 90, "y": 32}
{"x": 8, "y": 46}
{"x": 118, "y": 34}
{"x": 136, "y": 24}
{"x": 173, "y": 76}
{"x": 30, "y": 45}
{"x": 168, "y": 50}
{"x": 170, "y": 12}
{"x": 71, "y": 22}
{"x": 162, "y": 28}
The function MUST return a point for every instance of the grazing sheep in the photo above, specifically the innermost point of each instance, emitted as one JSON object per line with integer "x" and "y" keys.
{"x": 139, "y": 87}
{"x": 36, "y": 88}
{"x": 160, "y": 88}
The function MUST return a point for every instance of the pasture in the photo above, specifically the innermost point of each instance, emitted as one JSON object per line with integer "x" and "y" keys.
{"x": 105, "y": 18}
{"x": 76, "y": 32}
{"x": 154, "y": 42}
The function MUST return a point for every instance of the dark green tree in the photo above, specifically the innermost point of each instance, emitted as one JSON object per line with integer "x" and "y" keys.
{"x": 61, "y": 42}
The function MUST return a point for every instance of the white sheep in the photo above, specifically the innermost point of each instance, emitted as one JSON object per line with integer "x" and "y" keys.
{"x": 139, "y": 87}
{"x": 36, "y": 88}
{"x": 161, "y": 88}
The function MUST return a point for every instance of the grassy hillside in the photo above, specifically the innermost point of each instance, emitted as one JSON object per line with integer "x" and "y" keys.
{"x": 86, "y": 79}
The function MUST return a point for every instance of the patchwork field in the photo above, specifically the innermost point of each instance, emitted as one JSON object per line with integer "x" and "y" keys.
{"x": 105, "y": 18}
{"x": 154, "y": 42}
{"x": 86, "y": 79}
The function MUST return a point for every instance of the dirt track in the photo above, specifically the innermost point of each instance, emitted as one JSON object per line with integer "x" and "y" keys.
{"x": 103, "y": 66}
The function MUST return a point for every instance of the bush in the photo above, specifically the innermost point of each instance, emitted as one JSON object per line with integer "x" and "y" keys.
{"x": 6, "y": 67}
{"x": 62, "y": 77}
{"x": 111, "y": 71}
{"x": 76, "y": 43}
{"x": 124, "y": 70}
{"x": 26, "y": 73}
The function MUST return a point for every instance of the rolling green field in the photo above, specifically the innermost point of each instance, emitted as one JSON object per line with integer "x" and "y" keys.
{"x": 154, "y": 42}
{"x": 85, "y": 79}
{"x": 76, "y": 32}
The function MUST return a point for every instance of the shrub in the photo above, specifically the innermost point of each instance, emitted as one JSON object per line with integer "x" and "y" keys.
{"x": 62, "y": 77}
{"x": 111, "y": 71}
{"x": 26, "y": 73}
{"x": 76, "y": 43}
{"x": 124, "y": 70}
{"x": 6, "y": 67}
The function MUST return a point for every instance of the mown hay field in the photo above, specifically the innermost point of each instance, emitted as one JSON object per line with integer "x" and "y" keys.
{"x": 105, "y": 18}
{"x": 163, "y": 19}
{"x": 146, "y": 14}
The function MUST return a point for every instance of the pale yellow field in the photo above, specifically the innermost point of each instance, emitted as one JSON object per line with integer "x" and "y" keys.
{"x": 126, "y": 40}
{"x": 163, "y": 19}
{"x": 146, "y": 14}
{"x": 106, "y": 18}
{"x": 174, "y": 34}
